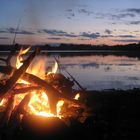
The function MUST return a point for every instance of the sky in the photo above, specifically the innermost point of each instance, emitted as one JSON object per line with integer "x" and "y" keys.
{"x": 94, "y": 22}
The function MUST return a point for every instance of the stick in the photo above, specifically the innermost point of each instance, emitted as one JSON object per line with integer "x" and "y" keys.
{"x": 26, "y": 89}
{"x": 71, "y": 76}
{"x": 8, "y": 111}
{"x": 17, "y": 74}
{"x": 52, "y": 92}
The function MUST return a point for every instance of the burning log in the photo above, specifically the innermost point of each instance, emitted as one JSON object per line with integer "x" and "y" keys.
{"x": 26, "y": 89}
{"x": 54, "y": 93}
{"x": 8, "y": 110}
{"x": 17, "y": 74}
{"x": 15, "y": 118}
{"x": 46, "y": 86}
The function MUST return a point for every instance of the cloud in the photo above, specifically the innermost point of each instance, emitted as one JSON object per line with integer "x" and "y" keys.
{"x": 135, "y": 22}
{"x": 54, "y": 38}
{"x": 90, "y": 35}
{"x": 127, "y": 36}
{"x": 83, "y": 39}
{"x": 84, "y": 11}
{"x": 133, "y": 10}
{"x": 69, "y": 10}
{"x": 70, "y": 14}
{"x": 105, "y": 36}
{"x": 54, "y": 32}
{"x": 122, "y": 15}
{"x": 4, "y": 37}
{"x": 13, "y": 30}
{"x": 107, "y": 31}
{"x": 127, "y": 40}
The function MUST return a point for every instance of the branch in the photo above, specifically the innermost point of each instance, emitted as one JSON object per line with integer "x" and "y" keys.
{"x": 17, "y": 74}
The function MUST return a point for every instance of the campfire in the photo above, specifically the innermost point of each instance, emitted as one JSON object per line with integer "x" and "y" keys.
{"x": 28, "y": 89}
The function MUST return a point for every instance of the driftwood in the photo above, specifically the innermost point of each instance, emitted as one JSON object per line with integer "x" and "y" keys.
{"x": 17, "y": 74}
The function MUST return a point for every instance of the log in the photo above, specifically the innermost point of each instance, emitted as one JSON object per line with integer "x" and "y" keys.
{"x": 52, "y": 93}
{"x": 8, "y": 111}
{"x": 17, "y": 74}
{"x": 15, "y": 118}
{"x": 26, "y": 89}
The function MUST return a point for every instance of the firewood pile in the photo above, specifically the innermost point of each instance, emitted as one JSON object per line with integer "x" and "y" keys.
{"x": 23, "y": 93}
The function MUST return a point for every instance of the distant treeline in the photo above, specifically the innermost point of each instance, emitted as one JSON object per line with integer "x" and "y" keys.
{"x": 129, "y": 47}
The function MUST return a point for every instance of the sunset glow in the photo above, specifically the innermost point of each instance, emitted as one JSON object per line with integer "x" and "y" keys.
{"x": 79, "y": 22}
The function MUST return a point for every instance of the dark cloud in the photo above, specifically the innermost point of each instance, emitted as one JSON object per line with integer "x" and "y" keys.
{"x": 133, "y": 10}
{"x": 69, "y": 10}
{"x": 54, "y": 38}
{"x": 107, "y": 31}
{"x": 91, "y": 35}
{"x": 105, "y": 36}
{"x": 122, "y": 15}
{"x": 4, "y": 37}
{"x": 84, "y": 11}
{"x": 54, "y": 32}
{"x": 70, "y": 14}
{"x": 83, "y": 39}
{"x": 135, "y": 22}
{"x": 127, "y": 40}
{"x": 127, "y": 36}
{"x": 13, "y": 30}
{"x": 2, "y": 31}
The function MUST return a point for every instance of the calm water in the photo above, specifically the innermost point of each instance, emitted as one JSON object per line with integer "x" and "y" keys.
{"x": 96, "y": 71}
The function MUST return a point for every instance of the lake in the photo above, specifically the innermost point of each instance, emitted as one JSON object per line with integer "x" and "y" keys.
{"x": 98, "y": 71}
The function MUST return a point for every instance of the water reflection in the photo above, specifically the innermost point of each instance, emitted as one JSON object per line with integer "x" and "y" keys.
{"x": 96, "y": 72}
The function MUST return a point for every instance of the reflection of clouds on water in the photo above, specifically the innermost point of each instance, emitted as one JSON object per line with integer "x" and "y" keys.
{"x": 95, "y": 65}
{"x": 97, "y": 72}
{"x": 107, "y": 69}
{"x": 126, "y": 64}
{"x": 85, "y": 65}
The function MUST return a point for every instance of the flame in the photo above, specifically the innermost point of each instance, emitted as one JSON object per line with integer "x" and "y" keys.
{"x": 54, "y": 68}
{"x": 19, "y": 57}
{"x": 39, "y": 102}
{"x": 2, "y": 102}
{"x": 39, "y": 105}
{"x": 19, "y": 62}
{"x": 59, "y": 106}
{"x": 77, "y": 96}
{"x": 38, "y": 67}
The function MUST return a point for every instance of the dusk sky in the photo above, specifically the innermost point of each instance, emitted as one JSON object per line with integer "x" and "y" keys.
{"x": 70, "y": 21}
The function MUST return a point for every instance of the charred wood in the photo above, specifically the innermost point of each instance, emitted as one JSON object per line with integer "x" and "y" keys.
{"x": 17, "y": 74}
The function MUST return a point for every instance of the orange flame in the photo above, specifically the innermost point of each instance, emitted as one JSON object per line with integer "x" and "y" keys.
{"x": 77, "y": 96}
{"x": 54, "y": 68}
{"x": 19, "y": 62}
{"x": 39, "y": 103}
{"x": 19, "y": 58}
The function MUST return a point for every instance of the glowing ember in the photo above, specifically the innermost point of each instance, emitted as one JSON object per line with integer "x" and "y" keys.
{"x": 77, "y": 96}
{"x": 39, "y": 105}
{"x": 2, "y": 102}
{"x": 59, "y": 105}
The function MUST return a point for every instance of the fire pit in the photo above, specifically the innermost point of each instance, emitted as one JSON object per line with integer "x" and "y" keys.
{"x": 30, "y": 94}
